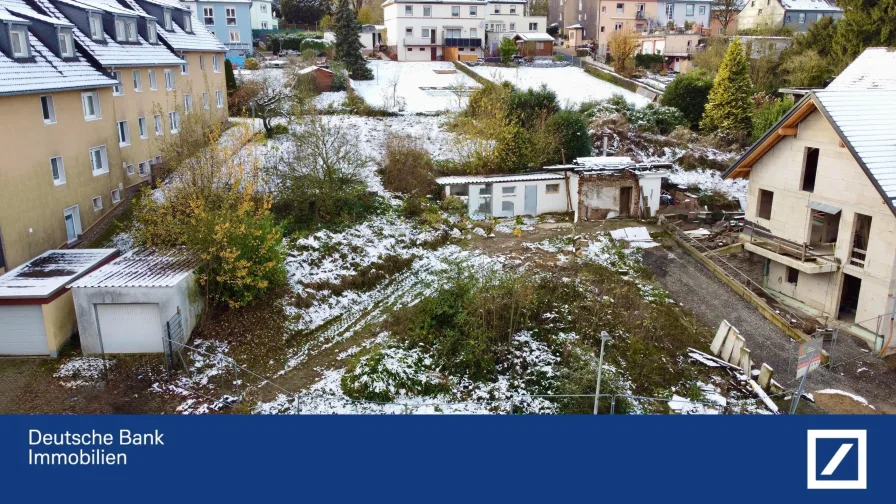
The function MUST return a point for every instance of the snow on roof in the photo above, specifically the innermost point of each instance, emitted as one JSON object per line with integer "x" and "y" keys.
{"x": 45, "y": 72}
{"x": 490, "y": 179}
{"x": 809, "y": 5}
{"x": 24, "y": 11}
{"x": 44, "y": 275}
{"x": 535, "y": 37}
{"x": 110, "y": 53}
{"x": 7, "y": 16}
{"x": 875, "y": 68}
{"x": 313, "y": 68}
{"x": 574, "y": 27}
{"x": 867, "y": 121}
{"x": 142, "y": 268}
{"x": 455, "y": 2}
{"x": 604, "y": 161}
{"x": 200, "y": 40}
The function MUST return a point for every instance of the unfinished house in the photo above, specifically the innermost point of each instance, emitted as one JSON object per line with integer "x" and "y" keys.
{"x": 820, "y": 205}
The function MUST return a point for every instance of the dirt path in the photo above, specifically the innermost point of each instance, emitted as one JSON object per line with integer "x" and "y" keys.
{"x": 690, "y": 283}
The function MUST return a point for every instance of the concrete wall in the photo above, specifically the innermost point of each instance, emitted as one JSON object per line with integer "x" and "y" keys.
{"x": 840, "y": 182}
{"x": 600, "y": 198}
{"x": 652, "y": 186}
{"x": 59, "y": 321}
{"x": 185, "y": 295}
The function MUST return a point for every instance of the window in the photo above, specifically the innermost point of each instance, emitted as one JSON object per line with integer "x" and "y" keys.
{"x": 455, "y": 11}
{"x": 205, "y": 101}
{"x": 264, "y": 25}
{"x": 169, "y": 80}
{"x": 602, "y": 29}
{"x": 235, "y": 36}
{"x": 689, "y": 10}
{"x": 174, "y": 121}
{"x": 158, "y": 160}
{"x": 474, "y": 33}
{"x": 513, "y": 9}
{"x": 603, "y": 9}
{"x": 97, "y": 203}
{"x": 427, "y": 11}
{"x": 96, "y": 26}
{"x": 533, "y": 26}
{"x": 188, "y": 21}
{"x": 124, "y": 134}
{"x": 166, "y": 18}
{"x": 47, "y": 108}
{"x": 425, "y": 32}
{"x": 230, "y": 16}
{"x": 760, "y": 11}
{"x": 91, "y": 104}
{"x": 157, "y": 122}
{"x": 99, "y": 161}
{"x": 188, "y": 104}
{"x": 185, "y": 66}
{"x": 208, "y": 16}
{"x": 497, "y": 9}
{"x": 810, "y": 168}
{"x": 753, "y": 3}
{"x": 129, "y": 169}
{"x": 539, "y": 45}
{"x": 116, "y": 195}
{"x": 19, "y": 37}
{"x": 408, "y": 31}
{"x": 143, "y": 168}
{"x": 215, "y": 66}
{"x": 153, "y": 85}
{"x": 509, "y": 190}
{"x": 57, "y": 170}
{"x": 118, "y": 89}
{"x": 219, "y": 97}
{"x": 507, "y": 207}
{"x": 512, "y": 26}
{"x": 72, "y": 219}
{"x": 66, "y": 44}
{"x": 620, "y": 8}
{"x": 138, "y": 82}
{"x": 141, "y": 125}
{"x": 552, "y": 189}
{"x": 264, "y": 8}
{"x": 802, "y": 18}
{"x": 202, "y": 62}
{"x": 701, "y": 10}
{"x": 125, "y": 29}
{"x": 408, "y": 10}
{"x": 473, "y": 11}
{"x": 765, "y": 204}
{"x": 793, "y": 275}
{"x": 670, "y": 10}
{"x": 152, "y": 36}
{"x": 618, "y": 26}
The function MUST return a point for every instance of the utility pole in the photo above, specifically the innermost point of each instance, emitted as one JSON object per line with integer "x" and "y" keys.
{"x": 604, "y": 337}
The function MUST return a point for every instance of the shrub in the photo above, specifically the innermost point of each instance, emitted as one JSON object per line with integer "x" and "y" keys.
{"x": 571, "y": 131}
{"x": 506, "y": 50}
{"x": 251, "y": 64}
{"x": 406, "y": 166}
{"x": 652, "y": 62}
{"x": 768, "y": 114}
{"x": 530, "y": 105}
{"x": 278, "y": 129}
{"x": 454, "y": 206}
{"x": 729, "y": 107}
{"x": 581, "y": 53}
{"x": 689, "y": 93}
{"x": 657, "y": 119}
{"x": 229, "y": 78}
{"x": 292, "y": 41}
{"x": 390, "y": 372}
{"x": 314, "y": 44}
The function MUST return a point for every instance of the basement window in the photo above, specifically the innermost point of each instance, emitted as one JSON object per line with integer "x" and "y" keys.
{"x": 810, "y": 169}
{"x": 793, "y": 275}
{"x": 765, "y": 204}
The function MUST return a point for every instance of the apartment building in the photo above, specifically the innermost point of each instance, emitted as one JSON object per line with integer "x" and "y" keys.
{"x": 618, "y": 15}
{"x": 568, "y": 13}
{"x": 262, "y": 17}
{"x": 684, "y": 13}
{"x": 797, "y": 14}
{"x": 820, "y": 205}
{"x": 506, "y": 18}
{"x": 435, "y": 30}
{"x": 86, "y": 91}
{"x": 230, "y": 21}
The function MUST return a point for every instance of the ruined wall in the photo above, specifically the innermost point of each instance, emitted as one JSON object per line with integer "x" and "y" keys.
{"x": 599, "y": 195}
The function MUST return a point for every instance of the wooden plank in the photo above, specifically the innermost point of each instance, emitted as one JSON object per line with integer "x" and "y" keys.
{"x": 784, "y": 131}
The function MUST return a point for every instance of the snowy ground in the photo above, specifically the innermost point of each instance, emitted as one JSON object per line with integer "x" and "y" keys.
{"x": 572, "y": 85}
{"x": 414, "y": 87}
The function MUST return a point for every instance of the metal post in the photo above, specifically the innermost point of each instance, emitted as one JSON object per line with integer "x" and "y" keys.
{"x": 799, "y": 393}
{"x": 297, "y": 407}
{"x": 603, "y": 339}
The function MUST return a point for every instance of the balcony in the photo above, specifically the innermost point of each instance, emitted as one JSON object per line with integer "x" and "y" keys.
{"x": 812, "y": 259}
{"x": 419, "y": 41}
{"x": 640, "y": 15}
{"x": 462, "y": 42}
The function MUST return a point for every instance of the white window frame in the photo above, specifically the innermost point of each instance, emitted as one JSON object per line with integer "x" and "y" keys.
{"x": 138, "y": 81}
{"x": 533, "y": 26}
{"x": 59, "y": 179}
{"x": 158, "y": 159}
{"x": 124, "y": 134}
{"x": 118, "y": 89}
{"x": 169, "y": 80}
{"x": 129, "y": 169}
{"x": 264, "y": 8}
{"x": 166, "y": 18}
{"x": 427, "y": 11}
{"x": 20, "y": 33}
{"x": 408, "y": 10}
{"x": 230, "y": 14}
{"x": 157, "y": 124}
{"x": 205, "y": 100}
{"x": 215, "y": 65}
{"x": 152, "y": 32}
{"x": 75, "y": 212}
{"x": 264, "y": 25}
{"x": 153, "y": 83}
{"x": 801, "y": 19}
{"x": 455, "y": 11}
{"x": 689, "y": 10}
{"x": 95, "y": 101}
{"x": 66, "y": 44}
{"x": 474, "y": 33}
{"x": 141, "y": 127}
{"x": 408, "y": 31}
{"x": 104, "y": 159}
{"x": 513, "y": 9}
{"x": 234, "y": 39}
{"x": 173, "y": 120}
{"x": 473, "y": 11}
{"x": 219, "y": 98}
{"x": 701, "y": 10}
{"x": 96, "y": 26}
{"x": 185, "y": 67}
{"x": 142, "y": 168}
{"x": 512, "y": 26}
{"x": 46, "y": 102}
{"x": 116, "y": 196}
{"x": 97, "y": 206}
{"x": 208, "y": 16}
{"x": 188, "y": 104}
{"x": 188, "y": 21}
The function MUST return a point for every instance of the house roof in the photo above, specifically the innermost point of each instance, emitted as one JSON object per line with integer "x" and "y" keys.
{"x": 535, "y": 37}
{"x": 313, "y": 68}
{"x": 810, "y": 5}
{"x": 200, "y": 40}
{"x": 142, "y": 268}
{"x": 51, "y": 271}
{"x": 491, "y": 179}
{"x": 875, "y": 68}
{"x": 110, "y": 53}
{"x": 44, "y": 72}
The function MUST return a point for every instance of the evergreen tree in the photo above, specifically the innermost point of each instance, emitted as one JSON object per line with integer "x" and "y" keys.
{"x": 348, "y": 44}
{"x": 865, "y": 23}
{"x": 730, "y": 105}
{"x": 229, "y": 78}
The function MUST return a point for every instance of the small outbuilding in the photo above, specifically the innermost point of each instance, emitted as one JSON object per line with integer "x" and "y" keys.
{"x": 37, "y": 314}
{"x": 322, "y": 77}
{"x": 134, "y": 303}
{"x": 535, "y": 45}
{"x": 532, "y": 193}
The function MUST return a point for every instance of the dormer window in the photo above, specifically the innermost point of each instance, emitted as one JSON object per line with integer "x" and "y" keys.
{"x": 167, "y": 19}
{"x": 188, "y": 22}
{"x": 96, "y": 26}
{"x": 66, "y": 44}
{"x": 19, "y": 39}
{"x": 151, "y": 34}
{"x": 125, "y": 29}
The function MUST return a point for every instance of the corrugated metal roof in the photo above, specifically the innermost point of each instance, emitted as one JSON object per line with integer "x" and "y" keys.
{"x": 867, "y": 122}
{"x": 142, "y": 268}
{"x": 491, "y": 179}
{"x": 536, "y": 37}
{"x": 810, "y": 5}
{"x": 44, "y": 275}
{"x": 875, "y": 68}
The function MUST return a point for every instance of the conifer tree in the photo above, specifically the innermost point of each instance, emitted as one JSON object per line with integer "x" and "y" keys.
{"x": 865, "y": 23}
{"x": 229, "y": 78}
{"x": 348, "y": 42}
{"x": 730, "y": 105}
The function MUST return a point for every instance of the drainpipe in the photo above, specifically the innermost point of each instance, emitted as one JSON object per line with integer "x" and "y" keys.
{"x": 605, "y": 144}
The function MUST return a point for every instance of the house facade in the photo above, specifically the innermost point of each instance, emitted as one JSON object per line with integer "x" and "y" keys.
{"x": 568, "y": 13}
{"x": 682, "y": 13}
{"x": 506, "y": 18}
{"x": 715, "y": 23}
{"x": 230, "y": 22}
{"x": 624, "y": 15}
{"x": 796, "y": 14}
{"x": 261, "y": 14}
{"x": 89, "y": 81}
{"x": 435, "y": 30}
{"x": 820, "y": 205}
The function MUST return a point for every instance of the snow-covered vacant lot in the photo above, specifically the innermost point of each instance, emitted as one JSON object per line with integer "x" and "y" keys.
{"x": 417, "y": 86}
{"x": 572, "y": 85}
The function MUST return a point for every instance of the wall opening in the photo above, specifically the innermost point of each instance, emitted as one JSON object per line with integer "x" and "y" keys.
{"x": 849, "y": 298}
{"x": 810, "y": 169}
{"x": 793, "y": 275}
{"x": 765, "y": 204}
{"x": 625, "y": 201}
{"x": 824, "y": 227}
{"x": 859, "y": 250}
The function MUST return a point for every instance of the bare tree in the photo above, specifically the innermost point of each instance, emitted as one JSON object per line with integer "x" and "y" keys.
{"x": 622, "y": 45}
{"x": 459, "y": 90}
{"x": 725, "y": 11}
{"x": 268, "y": 97}
{"x": 391, "y": 100}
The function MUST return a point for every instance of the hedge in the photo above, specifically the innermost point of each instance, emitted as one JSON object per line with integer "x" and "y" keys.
{"x": 292, "y": 41}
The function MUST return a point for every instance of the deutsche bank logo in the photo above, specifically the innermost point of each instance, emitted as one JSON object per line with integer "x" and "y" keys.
{"x": 837, "y": 460}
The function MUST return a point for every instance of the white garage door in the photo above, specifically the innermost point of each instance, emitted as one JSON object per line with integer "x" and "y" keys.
{"x": 22, "y": 331}
{"x": 130, "y": 328}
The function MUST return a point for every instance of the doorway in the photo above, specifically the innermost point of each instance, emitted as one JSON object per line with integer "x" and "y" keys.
{"x": 432, "y": 54}
{"x": 72, "y": 218}
{"x": 530, "y": 203}
{"x": 625, "y": 201}
{"x": 849, "y": 298}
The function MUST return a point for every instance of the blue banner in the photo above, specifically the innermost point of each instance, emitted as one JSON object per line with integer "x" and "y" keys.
{"x": 447, "y": 459}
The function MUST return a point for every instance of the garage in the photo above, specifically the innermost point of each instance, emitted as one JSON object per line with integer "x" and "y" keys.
{"x": 37, "y": 312}
{"x": 133, "y": 304}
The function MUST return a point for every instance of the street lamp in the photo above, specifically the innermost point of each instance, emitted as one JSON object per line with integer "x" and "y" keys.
{"x": 604, "y": 337}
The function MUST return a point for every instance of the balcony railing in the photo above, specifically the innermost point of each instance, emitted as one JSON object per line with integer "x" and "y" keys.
{"x": 857, "y": 257}
{"x": 419, "y": 41}
{"x": 462, "y": 42}
{"x": 640, "y": 15}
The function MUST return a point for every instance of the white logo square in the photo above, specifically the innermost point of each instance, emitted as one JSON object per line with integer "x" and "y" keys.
{"x": 860, "y": 483}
